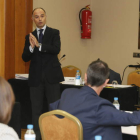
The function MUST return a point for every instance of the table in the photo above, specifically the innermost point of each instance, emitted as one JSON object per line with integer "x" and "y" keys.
{"x": 128, "y": 97}
{"x": 129, "y": 133}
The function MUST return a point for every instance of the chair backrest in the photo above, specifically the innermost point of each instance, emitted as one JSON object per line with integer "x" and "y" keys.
{"x": 138, "y": 132}
{"x": 70, "y": 71}
{"x": 53, "y": 128}
{"x": 134, "y": 78}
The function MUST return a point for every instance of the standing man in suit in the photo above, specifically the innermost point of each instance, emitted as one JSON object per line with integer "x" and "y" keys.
{"x": 97, "y": 115}
{"x": 41, "y": 48}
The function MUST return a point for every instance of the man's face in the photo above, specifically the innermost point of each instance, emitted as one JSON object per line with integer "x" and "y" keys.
{"x": 39, "y": 18}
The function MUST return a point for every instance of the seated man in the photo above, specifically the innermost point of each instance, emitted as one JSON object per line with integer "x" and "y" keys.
{"x": 97, "y": 115}
{"x": 114, "y": 76}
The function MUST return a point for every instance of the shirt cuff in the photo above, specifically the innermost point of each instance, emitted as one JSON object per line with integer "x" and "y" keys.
{"x": 31, "y": 49}
{"x": 40, "y": 47}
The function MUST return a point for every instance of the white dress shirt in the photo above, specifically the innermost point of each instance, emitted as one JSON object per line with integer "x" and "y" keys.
{"x": 44, "y": 28}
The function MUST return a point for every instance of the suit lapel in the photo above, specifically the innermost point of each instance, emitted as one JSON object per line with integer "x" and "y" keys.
{"x": 35, "y": 33}
{"x": 46, "y": 35}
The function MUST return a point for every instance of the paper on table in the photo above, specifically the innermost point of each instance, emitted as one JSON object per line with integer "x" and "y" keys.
{"x": 131, "y": 130}
{"x": 21, "y": 76}
{"x": 120, "y": 86}
{"x": 69, "y": 81}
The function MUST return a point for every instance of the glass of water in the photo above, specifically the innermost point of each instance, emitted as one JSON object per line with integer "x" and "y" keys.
{"x": 114, "y": 83}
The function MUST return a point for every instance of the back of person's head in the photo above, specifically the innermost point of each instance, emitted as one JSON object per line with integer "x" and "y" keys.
{"x": 7, "y": 100}
{"x": 97, "y": 73}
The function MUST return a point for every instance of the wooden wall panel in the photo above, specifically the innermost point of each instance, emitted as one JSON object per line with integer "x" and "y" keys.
{"x": 15, "y": 23}
{"x": 20, "y": 31}
{"x": 2, "y": 38}
{"x": 29, "y": 25}
{"x": 23, "y": 26}
{"x": 9, "y": 39}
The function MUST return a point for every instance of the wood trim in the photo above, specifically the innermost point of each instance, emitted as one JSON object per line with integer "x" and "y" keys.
{"x": 29, "y": 25}
{"x": 9, "y": 39}
{"x": 15, "y": 23}
{"x": 2, "y": 38}
{"x": 23, "y": 26}
{"x": 20, "y": 31}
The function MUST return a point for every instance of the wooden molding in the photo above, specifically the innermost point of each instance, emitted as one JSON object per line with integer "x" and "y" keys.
{"x": 9, "y": 39}
{"x": 2, "y": 38}
{"x": 15, "y": 23}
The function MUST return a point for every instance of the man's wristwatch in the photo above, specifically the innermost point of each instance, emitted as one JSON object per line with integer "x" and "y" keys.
{"x": 39, "y": 44}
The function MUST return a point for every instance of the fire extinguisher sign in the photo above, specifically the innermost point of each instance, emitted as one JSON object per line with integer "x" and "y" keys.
{"x": 89, "y": 19}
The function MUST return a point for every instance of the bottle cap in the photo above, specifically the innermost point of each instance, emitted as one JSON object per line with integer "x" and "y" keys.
{"x": 29, "y": 126}
{"x": 98, "y": 137}
{"x": 115, "y": 98}
{"x": 77, "y": 70}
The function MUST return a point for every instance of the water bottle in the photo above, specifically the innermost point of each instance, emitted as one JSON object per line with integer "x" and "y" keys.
{"x": 116, "y": 103}
{"x": 98, "y": 137}
{"x": 29, "y": 135}
{"x": 77, "y": 78}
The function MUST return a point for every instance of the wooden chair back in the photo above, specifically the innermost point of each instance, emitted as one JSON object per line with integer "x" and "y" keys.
{"x": 70, "y": 71}
{"x": 138, "y": 132}
{"x": 53, "y": 128}
{"x": 134, "y": 78}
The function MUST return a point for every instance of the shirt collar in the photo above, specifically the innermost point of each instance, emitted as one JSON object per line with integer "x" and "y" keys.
{"x": 44, "y": 28}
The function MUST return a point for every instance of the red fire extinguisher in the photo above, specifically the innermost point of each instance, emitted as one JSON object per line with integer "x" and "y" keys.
{"x": 85, "y": 22}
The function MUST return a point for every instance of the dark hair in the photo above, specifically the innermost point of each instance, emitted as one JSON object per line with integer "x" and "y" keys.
{"x": 97, "y": 73}
{"x": 7, "y": 100}
{"x": 38, "y": 8}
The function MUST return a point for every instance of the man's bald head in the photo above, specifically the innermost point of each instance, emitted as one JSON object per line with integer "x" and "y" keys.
{"x": 38, "y": 8}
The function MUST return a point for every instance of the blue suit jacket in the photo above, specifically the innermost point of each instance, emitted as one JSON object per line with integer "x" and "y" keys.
{"x": 97, "y": 115}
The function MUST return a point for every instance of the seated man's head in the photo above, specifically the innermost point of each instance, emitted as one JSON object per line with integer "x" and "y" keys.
{"x": 97, "y": 74}
{"x": 6, "y": 101}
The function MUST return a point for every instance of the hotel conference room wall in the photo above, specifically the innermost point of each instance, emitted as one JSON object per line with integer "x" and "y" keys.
{"x": 114, "y": 32}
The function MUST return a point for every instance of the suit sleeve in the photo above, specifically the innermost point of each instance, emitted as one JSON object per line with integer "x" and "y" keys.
{"x": 54, "y": 46}
{"x": 119, "y": 79}
{"x": 26, "y": 55}
{"x": 54, "y": 106}
{"x": 109, "y": 115}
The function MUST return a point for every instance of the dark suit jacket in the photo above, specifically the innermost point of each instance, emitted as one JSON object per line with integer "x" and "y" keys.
{"x": 114, "y": 76}
{"x": 45, "y": 60}
{"x": 97, "y": 115}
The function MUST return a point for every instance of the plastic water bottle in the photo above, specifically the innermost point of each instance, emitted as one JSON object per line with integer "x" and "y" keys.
{"x": 98, "y": 137}
{"x": 77, "y": 78}
{"x": 29, "y": 135}
{"x": 116, "y": 103}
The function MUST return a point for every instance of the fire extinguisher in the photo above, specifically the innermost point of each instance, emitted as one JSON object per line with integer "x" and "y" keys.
{"x": 85, "y": 21}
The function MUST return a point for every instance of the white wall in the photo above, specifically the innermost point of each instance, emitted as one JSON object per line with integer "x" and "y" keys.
{"x": 114, "y": 32}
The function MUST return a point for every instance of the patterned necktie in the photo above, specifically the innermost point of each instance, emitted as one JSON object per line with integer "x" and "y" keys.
{"x": 40, "y": 35}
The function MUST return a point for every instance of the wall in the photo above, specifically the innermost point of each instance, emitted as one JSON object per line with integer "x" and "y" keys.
{"x": 114, "y": 32}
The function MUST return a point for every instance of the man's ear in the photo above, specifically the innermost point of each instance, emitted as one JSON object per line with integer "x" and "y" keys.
{"x": 85, "y": 77}
{"x": 106, "y": 81}
{"x": 32, "y": 18}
